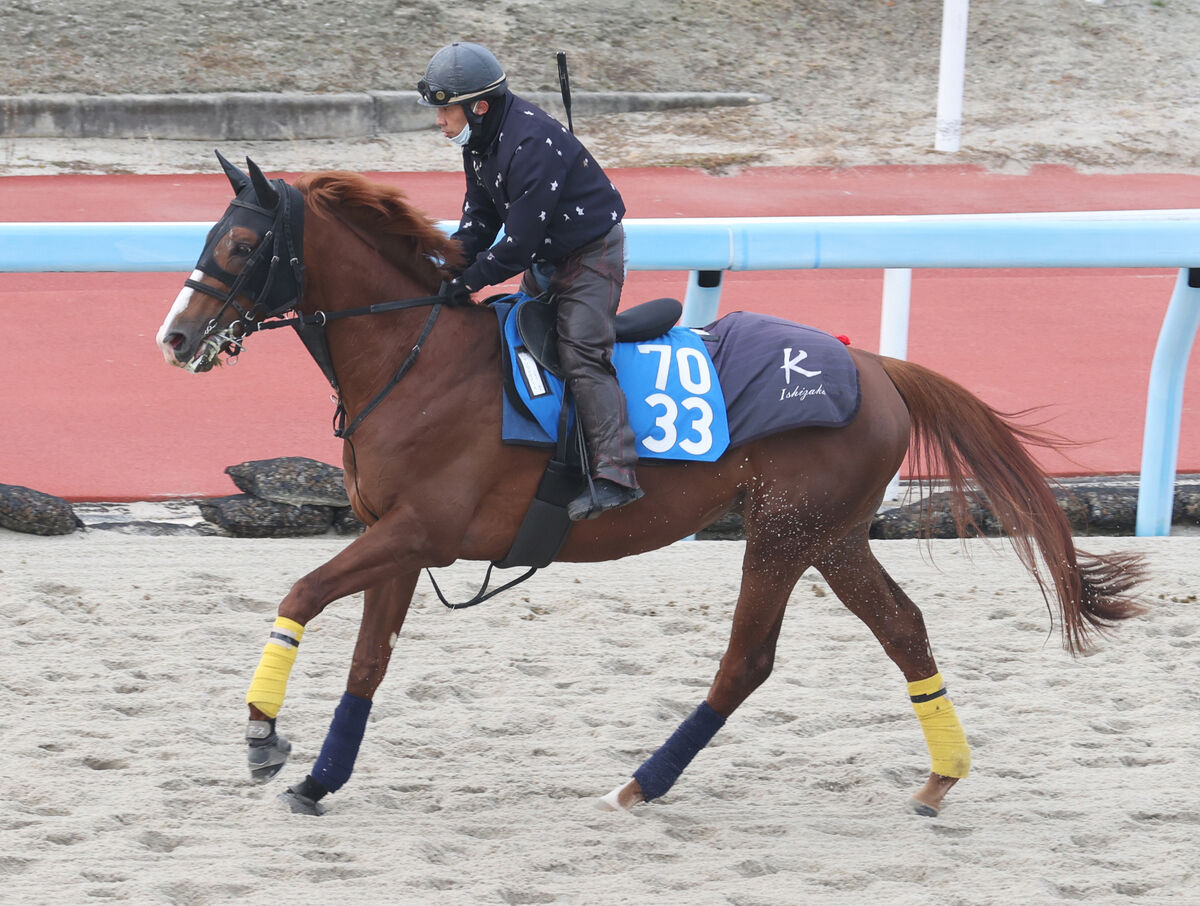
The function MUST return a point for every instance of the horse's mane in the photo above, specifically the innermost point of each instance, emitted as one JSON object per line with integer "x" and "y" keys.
{"x": 384, "y": 211}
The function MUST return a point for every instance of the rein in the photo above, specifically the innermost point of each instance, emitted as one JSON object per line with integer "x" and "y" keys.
{"x": 483, "y": 594}
{"x": 319, "y": 351}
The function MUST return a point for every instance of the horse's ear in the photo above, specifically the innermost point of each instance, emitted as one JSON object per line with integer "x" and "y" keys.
{"x": 267, "y": 196}
{"x": 237, "y": 178}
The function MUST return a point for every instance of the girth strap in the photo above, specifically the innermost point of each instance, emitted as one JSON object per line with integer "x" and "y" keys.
{"x": 483, "y": 594}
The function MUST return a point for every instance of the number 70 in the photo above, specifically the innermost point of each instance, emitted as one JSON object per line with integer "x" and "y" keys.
{"x": 694, "y": 372}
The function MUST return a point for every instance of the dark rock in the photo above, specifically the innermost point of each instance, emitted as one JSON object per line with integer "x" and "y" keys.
{"x": 1092, "y": 507}
{"x": 1187, "y": 504}
{"x": 244, "y": 516}
{"x": 1074, "y": 506}
{"x": 1093, "y": 510}
{"x": 35, "y": 513}
{"x": 346, "y": 523}
{"x": 293, "y": 480}
{"x": 730, "y": 527}
{"x": 154, "y": 529}
{"x": 908, "y": 521}
{"x": 1100, "y": 511}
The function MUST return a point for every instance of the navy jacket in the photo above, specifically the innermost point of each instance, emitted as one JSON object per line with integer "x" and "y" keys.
{"x": 537, "y": 181}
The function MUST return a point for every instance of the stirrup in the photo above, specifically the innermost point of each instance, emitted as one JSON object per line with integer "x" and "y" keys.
{"x": 601, "y": 496}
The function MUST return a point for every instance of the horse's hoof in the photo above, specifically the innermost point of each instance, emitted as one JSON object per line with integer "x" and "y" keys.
{"x": 621, "y": 799}
{"x": 300, "y": 804}
{"x": 923, "y": 809}
{"x": 266, "y": 759}
{"x": 611, "y": 802}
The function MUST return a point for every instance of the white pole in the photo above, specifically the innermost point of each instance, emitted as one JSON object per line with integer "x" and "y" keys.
{"x": 951, "y": 74}
{"x": 893, "y": 332}
{"x": 893, "y": 317}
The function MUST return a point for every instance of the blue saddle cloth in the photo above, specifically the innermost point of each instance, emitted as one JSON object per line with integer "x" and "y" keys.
{"x": 672, "y": 394}
{"x": 691, "y": 394}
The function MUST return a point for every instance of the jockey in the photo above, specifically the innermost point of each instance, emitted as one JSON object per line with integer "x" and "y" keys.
{"x": 561, "y": 216}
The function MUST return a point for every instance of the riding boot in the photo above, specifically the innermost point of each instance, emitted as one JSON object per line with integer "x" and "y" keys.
{"x": 600, "y": 407}
{"x": 586, "y": 288}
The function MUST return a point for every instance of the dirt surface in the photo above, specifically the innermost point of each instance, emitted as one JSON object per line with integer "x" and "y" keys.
{"x": 1100, "y": 85}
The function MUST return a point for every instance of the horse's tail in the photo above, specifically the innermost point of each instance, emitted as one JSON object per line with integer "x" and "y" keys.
{"x": 958, "y": 436}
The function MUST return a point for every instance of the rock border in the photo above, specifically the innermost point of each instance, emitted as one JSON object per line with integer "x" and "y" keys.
{"x": 295, "y": 497}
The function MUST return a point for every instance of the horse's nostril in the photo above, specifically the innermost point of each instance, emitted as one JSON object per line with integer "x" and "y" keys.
{"x": 175, "y": 346}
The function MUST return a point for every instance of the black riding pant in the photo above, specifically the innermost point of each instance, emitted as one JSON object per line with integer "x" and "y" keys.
{"x": 586, "y": 289}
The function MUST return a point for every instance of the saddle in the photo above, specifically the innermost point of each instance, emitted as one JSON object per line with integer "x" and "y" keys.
{"x": 545, "y": 526}
{"x": 535, "y": 325}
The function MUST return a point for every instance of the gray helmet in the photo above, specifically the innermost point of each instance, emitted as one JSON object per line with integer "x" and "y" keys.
{"x": 460, "y": 72}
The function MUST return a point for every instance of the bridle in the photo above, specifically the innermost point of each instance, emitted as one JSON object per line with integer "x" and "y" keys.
{"x": 282, "y": 242}
{"x": 274, "y": 271}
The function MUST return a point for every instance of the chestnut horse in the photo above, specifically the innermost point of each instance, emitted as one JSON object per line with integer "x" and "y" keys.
{"x": 418, "y": 384}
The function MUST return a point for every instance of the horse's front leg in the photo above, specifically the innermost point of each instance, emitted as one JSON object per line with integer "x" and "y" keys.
{"x": 370, "y": 561}
{"x": 384, "y": 610}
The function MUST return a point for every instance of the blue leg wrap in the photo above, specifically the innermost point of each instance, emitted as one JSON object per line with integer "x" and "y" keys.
{"x": 336, "y": 761}
{"x": 663, "y": 768}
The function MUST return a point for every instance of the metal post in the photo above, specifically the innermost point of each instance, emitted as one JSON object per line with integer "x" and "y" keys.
{"x": 702, "y": 300}
{"x": 950, "y": 75}
{"x": 1164, "y": 406}
{"x": 893, "y": 332}
{"x": 893, "y": 317}
{"x": 700, "y": 306}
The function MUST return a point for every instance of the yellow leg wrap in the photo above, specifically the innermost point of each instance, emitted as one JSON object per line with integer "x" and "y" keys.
{"x": 948, "y": 750}
{"x": 270, "y": 679}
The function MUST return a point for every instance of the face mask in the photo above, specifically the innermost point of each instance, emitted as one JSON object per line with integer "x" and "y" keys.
{"x": 463, "y": 137}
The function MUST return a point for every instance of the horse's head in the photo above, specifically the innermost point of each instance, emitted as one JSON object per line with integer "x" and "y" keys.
{"x": 251, "y": 269}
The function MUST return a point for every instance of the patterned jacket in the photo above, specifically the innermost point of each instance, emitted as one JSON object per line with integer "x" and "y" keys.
{"x": 542, "y": 186}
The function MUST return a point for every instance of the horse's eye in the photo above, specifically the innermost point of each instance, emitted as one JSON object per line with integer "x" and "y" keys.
{"x": 242, "y": 249}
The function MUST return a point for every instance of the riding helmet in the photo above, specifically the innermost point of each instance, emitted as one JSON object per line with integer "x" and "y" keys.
{"x": 460, "y": 72}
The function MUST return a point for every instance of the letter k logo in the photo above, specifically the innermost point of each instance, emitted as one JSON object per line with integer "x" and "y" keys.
{"x": 791, "y": 364}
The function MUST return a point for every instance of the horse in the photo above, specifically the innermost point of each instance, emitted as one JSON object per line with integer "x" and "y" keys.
{"x": 426, "y": 471}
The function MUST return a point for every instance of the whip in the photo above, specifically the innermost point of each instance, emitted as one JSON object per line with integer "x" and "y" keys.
{"x": 564, "y": 82}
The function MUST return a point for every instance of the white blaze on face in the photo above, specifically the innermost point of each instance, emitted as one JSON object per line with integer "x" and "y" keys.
{"x": 177, "y": 309}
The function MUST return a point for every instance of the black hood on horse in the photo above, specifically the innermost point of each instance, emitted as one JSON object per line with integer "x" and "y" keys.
{"x": 262, "y": 231}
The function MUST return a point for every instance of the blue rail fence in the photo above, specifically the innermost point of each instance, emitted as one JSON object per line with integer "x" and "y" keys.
{"x": 707, "y": 247}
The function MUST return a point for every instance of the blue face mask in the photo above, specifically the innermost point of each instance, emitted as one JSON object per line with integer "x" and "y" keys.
{"x": 463, "y": 137}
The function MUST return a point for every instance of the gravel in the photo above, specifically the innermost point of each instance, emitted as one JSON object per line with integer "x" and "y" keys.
{"x": 1107, "y": 85}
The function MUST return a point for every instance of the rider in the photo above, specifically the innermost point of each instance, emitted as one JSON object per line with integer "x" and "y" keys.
{"x": 561, "y": 216}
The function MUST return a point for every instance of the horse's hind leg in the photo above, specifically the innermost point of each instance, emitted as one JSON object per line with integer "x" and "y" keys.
{"x": 863, "y": 585}
{"x": 770, "y": 571}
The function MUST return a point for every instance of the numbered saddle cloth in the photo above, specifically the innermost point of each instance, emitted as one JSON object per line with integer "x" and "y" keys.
{"x": 691, "y": 394}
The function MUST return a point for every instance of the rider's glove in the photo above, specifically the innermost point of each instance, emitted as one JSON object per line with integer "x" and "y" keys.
{"x": 455, "y": 292}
